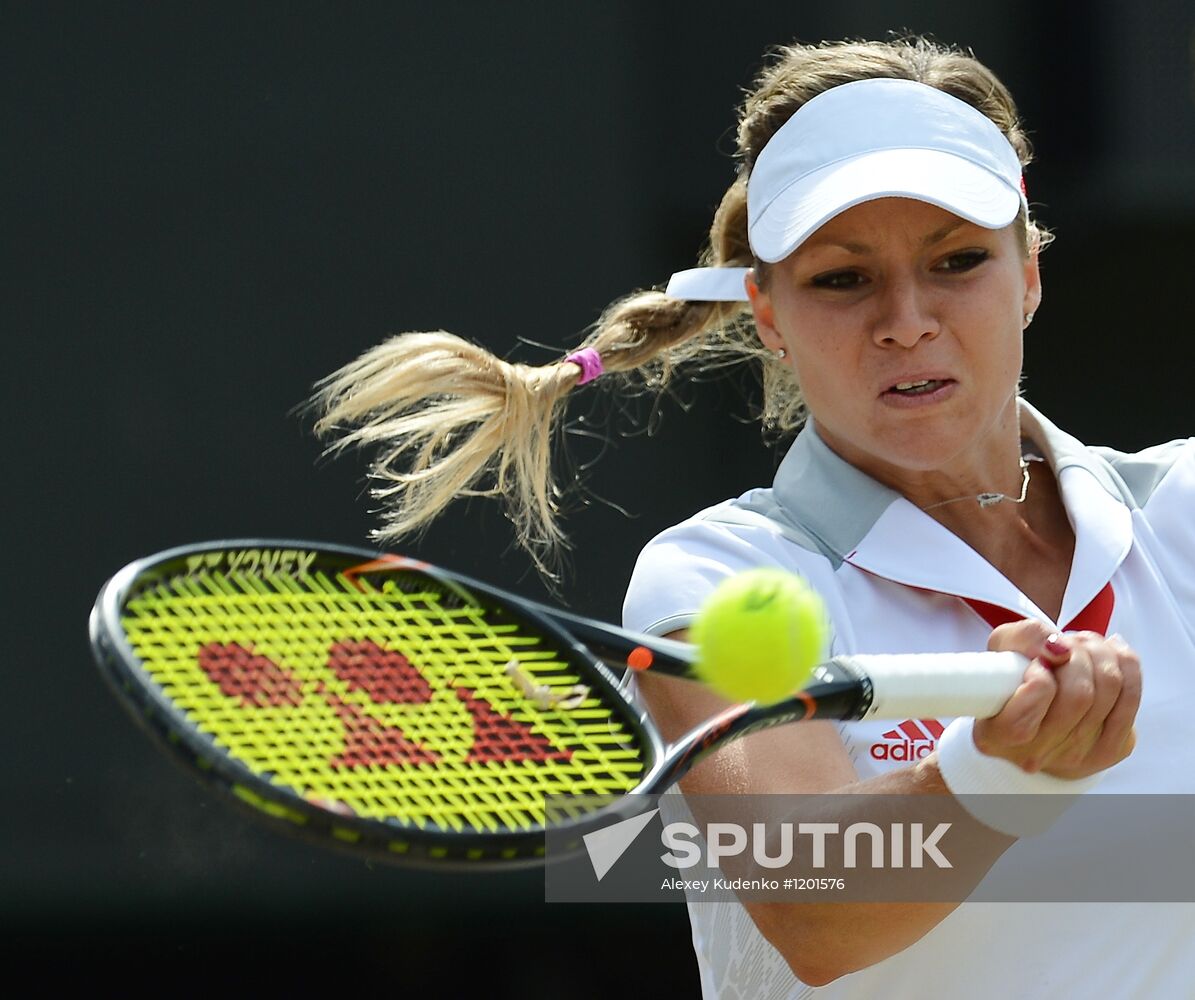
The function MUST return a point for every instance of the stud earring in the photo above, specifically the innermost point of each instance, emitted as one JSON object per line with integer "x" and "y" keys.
{"x": 1028, "y": 318}
{"x": 782, "y": 354}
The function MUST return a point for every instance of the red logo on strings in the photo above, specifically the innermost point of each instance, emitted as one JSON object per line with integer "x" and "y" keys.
{"x": 386, "y": 677}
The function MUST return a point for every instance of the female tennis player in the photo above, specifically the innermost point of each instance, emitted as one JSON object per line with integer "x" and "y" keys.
{"x": 877, "y": 254}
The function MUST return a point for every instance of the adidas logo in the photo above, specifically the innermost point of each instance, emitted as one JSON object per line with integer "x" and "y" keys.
{"x": 911, "y": 740}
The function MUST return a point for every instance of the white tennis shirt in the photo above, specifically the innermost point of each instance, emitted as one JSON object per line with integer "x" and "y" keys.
{"x": 894, "y": 580}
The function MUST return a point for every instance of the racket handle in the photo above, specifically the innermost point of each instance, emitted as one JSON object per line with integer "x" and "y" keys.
{"x": 939, "y": 685}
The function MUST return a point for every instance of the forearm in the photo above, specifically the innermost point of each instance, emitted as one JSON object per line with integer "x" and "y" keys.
{"x": 822, "y": 941}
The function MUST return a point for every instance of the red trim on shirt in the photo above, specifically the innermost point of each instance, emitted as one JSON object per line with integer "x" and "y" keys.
{"x": 1097, "y": 614}
{"x": 993, "y": 614}
{"x": 1093, "y": 618}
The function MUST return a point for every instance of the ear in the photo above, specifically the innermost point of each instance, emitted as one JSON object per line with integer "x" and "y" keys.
{"x": 1032, "y": 285}
{"x": 761, "y": 307}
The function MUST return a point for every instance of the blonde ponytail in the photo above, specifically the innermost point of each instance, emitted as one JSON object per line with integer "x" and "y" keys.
{"x": 443, "y": 413}
{"x": 448, "y": 419}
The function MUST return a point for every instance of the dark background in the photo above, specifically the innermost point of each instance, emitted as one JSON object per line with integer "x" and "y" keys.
{"x": 207, "y": 207}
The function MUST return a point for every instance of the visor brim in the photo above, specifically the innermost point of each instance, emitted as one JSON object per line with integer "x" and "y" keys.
{"x": 951, "y": 182}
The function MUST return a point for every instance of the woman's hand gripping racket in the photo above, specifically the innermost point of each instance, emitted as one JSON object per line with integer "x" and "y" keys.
{"x": 383, "y": 704}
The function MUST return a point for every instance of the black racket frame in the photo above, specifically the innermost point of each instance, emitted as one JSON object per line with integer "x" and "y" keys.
{"x": 392, "y": 840}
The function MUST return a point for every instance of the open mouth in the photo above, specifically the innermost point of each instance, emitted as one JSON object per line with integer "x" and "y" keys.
{"x": 919, "y": 387}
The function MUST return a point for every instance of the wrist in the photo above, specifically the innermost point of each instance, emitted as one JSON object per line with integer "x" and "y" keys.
{"x": 997, "y": 792}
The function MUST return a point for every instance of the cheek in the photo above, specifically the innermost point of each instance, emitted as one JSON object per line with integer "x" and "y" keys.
{"x": 825, "y": 367}
{"x": 1016, "y": 364}
{"x": 1007, "y": 346}
{"x": 828, "y": 340}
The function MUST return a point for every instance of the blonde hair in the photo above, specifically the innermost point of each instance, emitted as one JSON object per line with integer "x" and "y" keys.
{"x": 450, "y": 419}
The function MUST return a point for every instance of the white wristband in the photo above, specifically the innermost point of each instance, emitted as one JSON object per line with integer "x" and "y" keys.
{"x": 1034, "y": 801}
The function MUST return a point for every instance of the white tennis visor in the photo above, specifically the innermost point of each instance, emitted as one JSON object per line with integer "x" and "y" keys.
{"x": 861, "y": 141}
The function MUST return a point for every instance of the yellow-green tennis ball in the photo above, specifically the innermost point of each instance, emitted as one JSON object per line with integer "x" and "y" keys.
{"x": 759, "y": 635}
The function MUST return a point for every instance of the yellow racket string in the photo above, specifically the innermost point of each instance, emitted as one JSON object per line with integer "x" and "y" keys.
{"x": 378, "y": 702}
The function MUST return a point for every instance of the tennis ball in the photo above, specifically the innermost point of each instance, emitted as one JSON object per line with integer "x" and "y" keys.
{"x": 759, "y": 635}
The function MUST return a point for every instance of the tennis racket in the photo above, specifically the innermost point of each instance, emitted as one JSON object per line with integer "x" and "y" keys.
{"x": 385, "y": 705}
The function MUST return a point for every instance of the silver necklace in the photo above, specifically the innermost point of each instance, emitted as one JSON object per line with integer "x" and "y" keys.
{"x": 991, "y": 499}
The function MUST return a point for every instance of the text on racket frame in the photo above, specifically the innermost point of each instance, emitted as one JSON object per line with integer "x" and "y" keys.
{"x": 255, "y": 561}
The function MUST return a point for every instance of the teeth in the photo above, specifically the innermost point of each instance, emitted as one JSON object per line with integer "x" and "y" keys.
{"x": 902, "y": 386}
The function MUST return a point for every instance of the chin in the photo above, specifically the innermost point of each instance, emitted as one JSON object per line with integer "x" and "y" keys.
{"x": 919, "y": 453}
{"x": 920, "y": 448}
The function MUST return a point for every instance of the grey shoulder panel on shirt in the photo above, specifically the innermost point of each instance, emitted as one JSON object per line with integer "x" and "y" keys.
{"x": 1140, "y": 473}
{"x": 748, "y": 510}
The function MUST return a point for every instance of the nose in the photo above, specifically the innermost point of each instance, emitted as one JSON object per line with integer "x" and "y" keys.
{"x": 905, "y": 313}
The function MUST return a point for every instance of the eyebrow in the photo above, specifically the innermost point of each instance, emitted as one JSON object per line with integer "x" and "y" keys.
{"x": 862, "y": 248}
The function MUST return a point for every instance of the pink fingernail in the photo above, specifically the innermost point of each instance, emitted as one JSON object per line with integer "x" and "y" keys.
{"x": 1056, "y": 644}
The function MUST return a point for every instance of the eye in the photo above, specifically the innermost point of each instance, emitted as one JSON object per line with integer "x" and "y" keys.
{"x": 838, "y": 280}
{"x": 964, "y": 260}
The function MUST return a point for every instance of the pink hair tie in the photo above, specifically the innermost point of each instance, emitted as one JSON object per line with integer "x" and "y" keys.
{"x": 590, "y": 363}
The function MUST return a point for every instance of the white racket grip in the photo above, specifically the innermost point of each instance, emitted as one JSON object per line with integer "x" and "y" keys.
{"x": 939, "y": 685}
